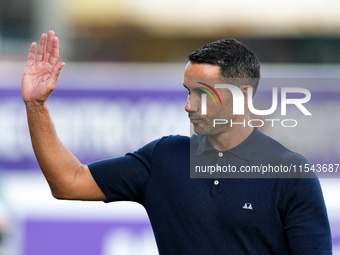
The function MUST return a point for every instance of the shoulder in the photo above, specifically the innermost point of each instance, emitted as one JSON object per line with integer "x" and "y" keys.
{"x": 172, "y": 143}
{"x": 273, "y": 148}
{"x": 274, "y": 153}
{"x": 174, "y": 139}
{"x": 166, "y": 143}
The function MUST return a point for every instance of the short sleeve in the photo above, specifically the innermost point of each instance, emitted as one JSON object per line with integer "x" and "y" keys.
{"x": 305, "y": 219}
{"x": 124, "y": 178}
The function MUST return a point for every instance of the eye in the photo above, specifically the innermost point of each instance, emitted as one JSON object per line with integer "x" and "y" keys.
{"x": 188, "y": 90}
{"x": 202, "y": 91}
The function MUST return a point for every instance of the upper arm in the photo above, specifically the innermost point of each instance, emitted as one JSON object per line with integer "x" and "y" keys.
{"x": 306, "y": 222}
{"x": 84, "y": 187}
{"x": 116, "y": 179}
{"x": 122, "y": 179}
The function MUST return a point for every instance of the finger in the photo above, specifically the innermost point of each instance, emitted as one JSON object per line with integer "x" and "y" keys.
{"x": 41, "y": 48}
{"x": 48, "y": 46}
{"x": 31, "y": 55}
{"x": 55, "y": 51}
{"x": 56, "y": 72}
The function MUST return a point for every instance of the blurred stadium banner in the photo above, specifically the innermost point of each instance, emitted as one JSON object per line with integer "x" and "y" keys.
{"x": 103, "y": 111}
{"x": 199, "y": 18}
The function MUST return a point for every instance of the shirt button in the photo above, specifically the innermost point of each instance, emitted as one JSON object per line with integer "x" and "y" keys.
{"x": 216, "y": 182}
{"x": 220, "y": 154}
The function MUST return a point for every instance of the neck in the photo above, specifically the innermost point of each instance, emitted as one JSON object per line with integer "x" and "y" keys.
{"x": 232, "y": 137}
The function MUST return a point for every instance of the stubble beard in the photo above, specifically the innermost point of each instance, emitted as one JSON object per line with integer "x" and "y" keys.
{"x": 206, "y": 128}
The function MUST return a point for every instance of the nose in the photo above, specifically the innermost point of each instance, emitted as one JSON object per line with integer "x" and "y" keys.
{"x": 190, "y": 107}
{"x": 187, "y": 105}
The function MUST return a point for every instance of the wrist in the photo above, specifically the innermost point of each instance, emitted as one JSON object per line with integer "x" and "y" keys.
{"x": 36, "y": 106}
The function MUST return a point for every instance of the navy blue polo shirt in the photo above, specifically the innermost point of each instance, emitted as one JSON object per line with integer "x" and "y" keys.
{"x": 219, "y": 216}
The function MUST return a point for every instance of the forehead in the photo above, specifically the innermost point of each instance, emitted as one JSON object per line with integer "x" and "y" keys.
{"x": 193, "y": 70}
{"x": 206, "y": 73}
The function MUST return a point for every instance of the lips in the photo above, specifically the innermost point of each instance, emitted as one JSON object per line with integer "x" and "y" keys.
{"x": 194, "y": 119}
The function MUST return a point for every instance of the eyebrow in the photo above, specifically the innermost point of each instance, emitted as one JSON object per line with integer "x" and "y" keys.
{"x": 195, "y": 88}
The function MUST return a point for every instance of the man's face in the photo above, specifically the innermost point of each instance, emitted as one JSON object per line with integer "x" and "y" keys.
{"x": 210, "y": 75}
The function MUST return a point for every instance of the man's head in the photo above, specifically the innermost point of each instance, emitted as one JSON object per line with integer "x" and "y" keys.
{"x": 236, "y": 61}
{"x": 225, "y": 61}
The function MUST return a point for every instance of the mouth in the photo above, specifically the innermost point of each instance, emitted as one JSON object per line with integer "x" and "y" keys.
{"x": 195, "y": 120}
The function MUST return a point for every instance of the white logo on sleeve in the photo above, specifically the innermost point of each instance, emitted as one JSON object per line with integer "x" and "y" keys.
{"x": 247, "y": 206}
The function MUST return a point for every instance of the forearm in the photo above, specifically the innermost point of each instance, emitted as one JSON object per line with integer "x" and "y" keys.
{"x": 59, "y": 166}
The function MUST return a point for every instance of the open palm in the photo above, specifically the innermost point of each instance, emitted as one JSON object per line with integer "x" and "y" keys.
{"x": 41, "y": 73}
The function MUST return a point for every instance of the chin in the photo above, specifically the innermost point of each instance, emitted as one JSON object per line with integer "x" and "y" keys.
{"x": 200, "y": 131}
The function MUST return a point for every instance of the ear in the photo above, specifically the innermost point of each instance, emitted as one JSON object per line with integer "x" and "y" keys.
{"x": 246, "y": 89}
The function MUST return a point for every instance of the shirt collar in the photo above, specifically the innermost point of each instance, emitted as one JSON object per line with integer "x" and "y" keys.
{"x": 245, "y": 150}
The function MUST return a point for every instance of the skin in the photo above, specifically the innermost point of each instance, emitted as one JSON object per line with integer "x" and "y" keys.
{"x": 221, "y": 137}
{"x": 66, "y": 176}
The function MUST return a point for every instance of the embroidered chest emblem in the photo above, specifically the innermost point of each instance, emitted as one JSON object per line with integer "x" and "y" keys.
{"x": 247, "y": 206}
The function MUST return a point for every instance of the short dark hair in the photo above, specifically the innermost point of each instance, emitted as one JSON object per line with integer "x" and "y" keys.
{"x": 235, "y": 59}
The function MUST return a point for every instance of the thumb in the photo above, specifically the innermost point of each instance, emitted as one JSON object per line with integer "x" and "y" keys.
{"x": 56, "y": 71}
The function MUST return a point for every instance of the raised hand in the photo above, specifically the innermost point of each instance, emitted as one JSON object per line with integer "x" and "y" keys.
{"x": 41, "y": 73}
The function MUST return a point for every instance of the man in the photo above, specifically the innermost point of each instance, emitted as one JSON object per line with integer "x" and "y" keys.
{"x": 189, "y": 215}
